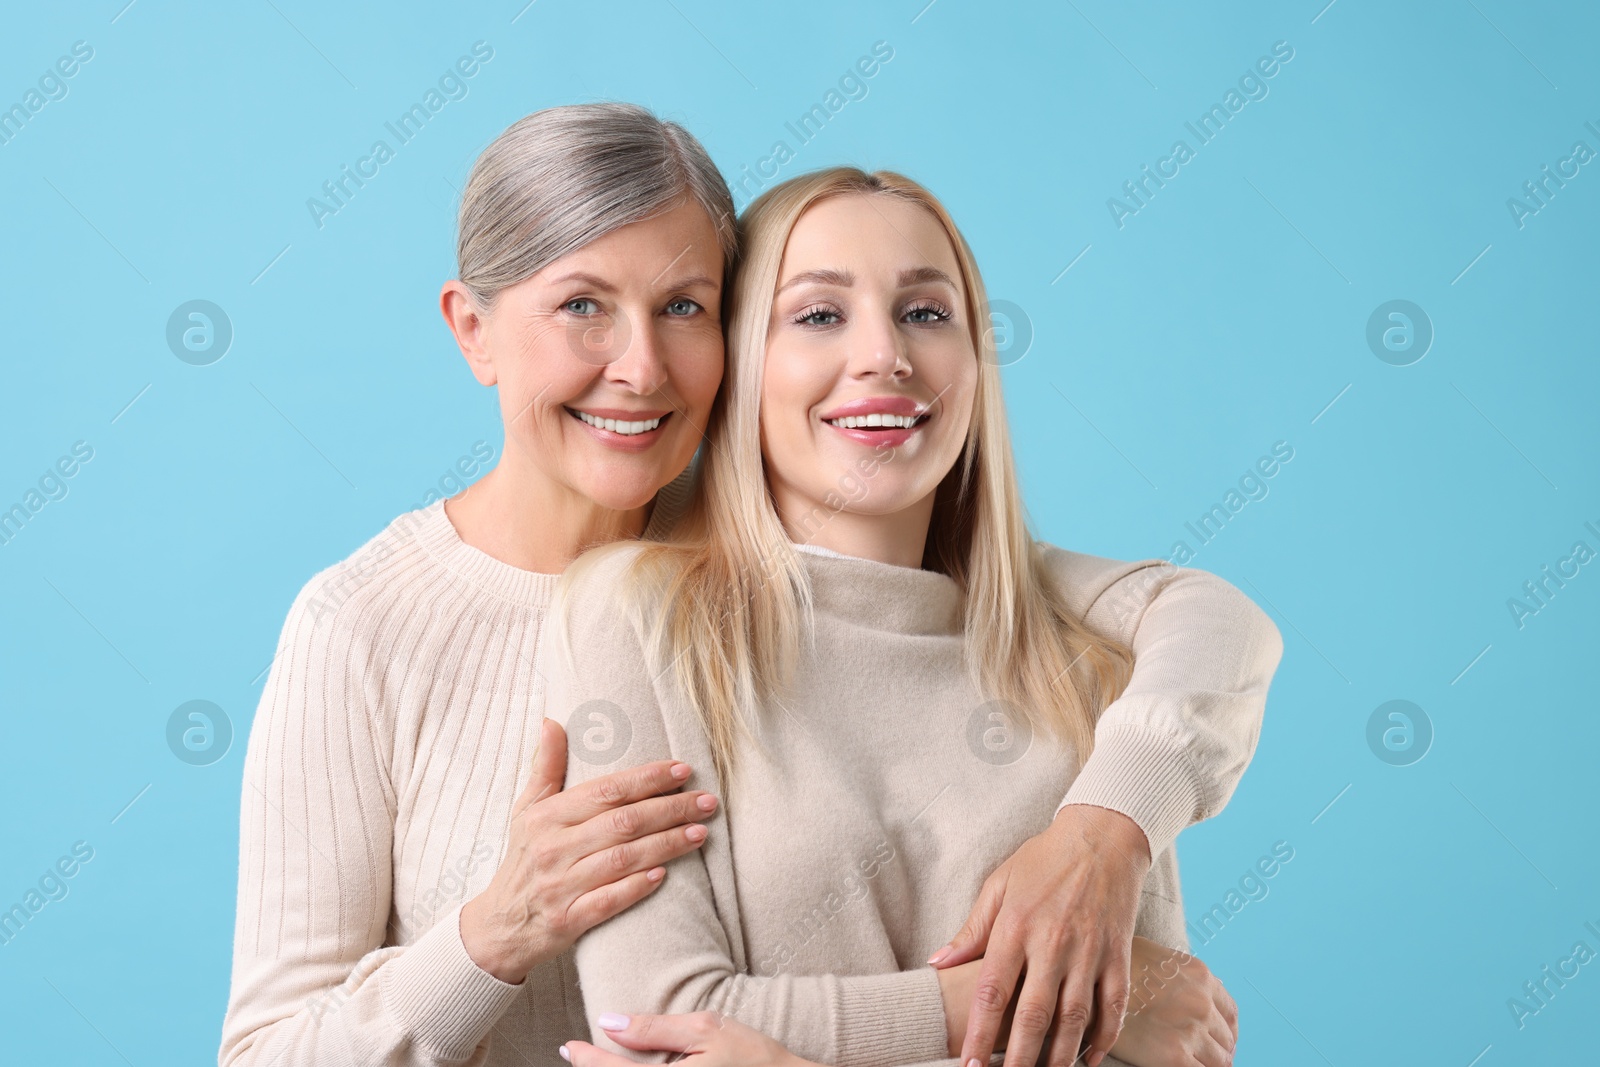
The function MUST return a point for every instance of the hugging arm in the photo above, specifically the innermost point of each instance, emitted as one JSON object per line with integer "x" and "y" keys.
{"x": 1168, "y": 752}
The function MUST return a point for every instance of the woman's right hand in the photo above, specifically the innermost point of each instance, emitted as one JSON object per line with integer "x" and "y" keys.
{"x": 575, "y": 858}
{"x": 1179, "y": 1015}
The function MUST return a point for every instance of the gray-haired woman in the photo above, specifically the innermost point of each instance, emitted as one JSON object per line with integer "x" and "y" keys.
{"x": 412, "y": 876}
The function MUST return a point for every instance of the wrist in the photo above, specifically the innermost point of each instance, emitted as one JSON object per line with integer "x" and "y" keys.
{"x": 956, "y": 992}
{"x": 1105, "y": 827}
{"x": 957, "y": 985}
{"x": 487, "y": 945}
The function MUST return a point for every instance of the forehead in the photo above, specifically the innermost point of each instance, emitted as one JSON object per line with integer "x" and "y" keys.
{"x": 869, "y": 236}
{"x": 679, "y": 241}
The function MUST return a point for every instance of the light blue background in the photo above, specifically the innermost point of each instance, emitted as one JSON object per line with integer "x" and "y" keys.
{"x": 1225, "y": 316}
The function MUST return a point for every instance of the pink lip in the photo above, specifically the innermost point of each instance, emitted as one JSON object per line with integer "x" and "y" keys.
{"x": 875, "y": 438}
{"x": 638, "y": 442}
{"x": 622, "y": 413}
{"x": 876, "y": 405}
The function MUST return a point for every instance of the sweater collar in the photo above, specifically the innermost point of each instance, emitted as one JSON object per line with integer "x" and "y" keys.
{"x": 437, "y": 535}
{"x": 882, "y": 596}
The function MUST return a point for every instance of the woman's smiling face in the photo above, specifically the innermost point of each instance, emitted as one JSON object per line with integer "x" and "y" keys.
{"x": 609, "y": 358}
{"x": 869, "y": 355}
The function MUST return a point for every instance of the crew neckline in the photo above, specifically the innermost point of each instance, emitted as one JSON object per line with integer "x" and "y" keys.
{"x": 438, "y": 536}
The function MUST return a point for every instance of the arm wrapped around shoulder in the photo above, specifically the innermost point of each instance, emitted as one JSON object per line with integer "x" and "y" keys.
{"x": 1170, "y": 750}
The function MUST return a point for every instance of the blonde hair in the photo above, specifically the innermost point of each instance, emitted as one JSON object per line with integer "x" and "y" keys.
{"x": 730, "y": 595}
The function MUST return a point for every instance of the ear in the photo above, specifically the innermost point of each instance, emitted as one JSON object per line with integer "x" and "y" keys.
{"x": 468, "y": 325}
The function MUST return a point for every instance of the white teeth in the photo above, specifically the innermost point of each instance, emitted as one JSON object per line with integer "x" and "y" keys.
{"x": 619, "y": 426}
{"x": 856, "y": 422}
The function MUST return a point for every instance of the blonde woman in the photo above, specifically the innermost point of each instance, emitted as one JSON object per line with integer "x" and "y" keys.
{"x": 854, "y": 640}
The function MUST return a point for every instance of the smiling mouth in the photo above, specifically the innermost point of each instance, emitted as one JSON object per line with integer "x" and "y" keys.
{"x": 878, "y": 422}
{"x": 624, "y": 427}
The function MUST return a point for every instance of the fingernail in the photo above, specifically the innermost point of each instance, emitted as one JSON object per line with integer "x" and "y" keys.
{"x": 680, "y": 771}
{"x": 695, "y": 832}
{"x": 655, "y": 874}
{"x": 974, "y": 1062}
{"x": 565, "y": 1054}
{"x": 706, "y": 802}
{"x": 1094, "y": 1058}
{"x": 941, "y": 954}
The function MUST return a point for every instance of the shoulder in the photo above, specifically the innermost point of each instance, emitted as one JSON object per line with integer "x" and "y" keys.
{"x": 1084, "y": 580}
{"x": 1114, "y": 595}
{"x": 603, "y": 577}
{"x": 346, "y": 626}
{"x": 405, "y": 601}
{"x": 355, "y": 593}
{"x": 604, "y": 597}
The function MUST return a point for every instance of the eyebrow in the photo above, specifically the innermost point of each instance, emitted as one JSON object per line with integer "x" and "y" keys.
{"x": 844, "y": 279}
{"x": 918, "y": 275}
{"x": 822, "y": 276}
{"x": 697, "y": 281}
{"x": 601, "y": 285}
{"x": 587, "y": 279}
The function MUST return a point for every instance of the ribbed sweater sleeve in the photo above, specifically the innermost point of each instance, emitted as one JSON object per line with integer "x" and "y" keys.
{"x": 1170, "y": 750}
{"x": 312, "y": 982}
{"x": 681, "y": 948}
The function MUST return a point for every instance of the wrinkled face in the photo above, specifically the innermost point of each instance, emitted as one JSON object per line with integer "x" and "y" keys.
{"x": 870, "y": 370}
{"x": 609, "y": 358}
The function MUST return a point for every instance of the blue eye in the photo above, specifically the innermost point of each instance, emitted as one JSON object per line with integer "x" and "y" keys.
{"x": 683, "y": 306}
{"x": 582, "y": 306}
{"x": 925, "y": 314}
{"x": 818, "y": 317}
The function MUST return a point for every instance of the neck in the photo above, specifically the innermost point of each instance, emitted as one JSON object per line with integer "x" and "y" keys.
{"x": 897, "y": 538}
{"x": 523, "y": 518}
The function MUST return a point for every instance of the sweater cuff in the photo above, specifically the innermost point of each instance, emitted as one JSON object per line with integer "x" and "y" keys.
{"x": 887, "y": 1019}
{"x": 445, "y": 1001}
{"x": 1146, "y": 776}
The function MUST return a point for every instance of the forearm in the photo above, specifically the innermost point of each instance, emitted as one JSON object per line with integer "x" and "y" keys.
{"x": 423, "y": 1005}
{"x": 880, "y": 1020}
{"x": 313, "y": 980}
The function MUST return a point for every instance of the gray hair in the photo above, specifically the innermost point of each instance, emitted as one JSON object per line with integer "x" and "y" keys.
{"x": 560, "y": 178}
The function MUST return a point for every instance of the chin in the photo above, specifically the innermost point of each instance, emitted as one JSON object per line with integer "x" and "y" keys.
{"x": 623, "y": 489}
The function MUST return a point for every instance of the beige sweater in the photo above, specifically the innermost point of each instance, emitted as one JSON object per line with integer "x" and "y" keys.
{"x": 397, "y": 728}
{"x": 883, "y": 789}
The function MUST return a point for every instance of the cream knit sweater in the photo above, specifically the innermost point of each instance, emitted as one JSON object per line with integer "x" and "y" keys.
{"x": 881, "y": 790}
{"x": 397, "y": 728}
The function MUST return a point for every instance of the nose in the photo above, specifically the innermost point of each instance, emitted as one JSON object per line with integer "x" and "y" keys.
{"x": 880, "y": 349}
{"x": 640, "y": 366}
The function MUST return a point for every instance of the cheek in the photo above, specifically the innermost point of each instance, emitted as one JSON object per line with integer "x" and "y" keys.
{"x": 545, "y": 373}
{"x": 697, "y": 368}
{"x": 786, "y": 403}
{"x": 795, "y": 380}
{"x": 951, "y": 371}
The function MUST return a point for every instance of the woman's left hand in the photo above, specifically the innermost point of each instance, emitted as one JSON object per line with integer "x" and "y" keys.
{"x": 1063, "y": 907}
{"x": 707, "y": 1038}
